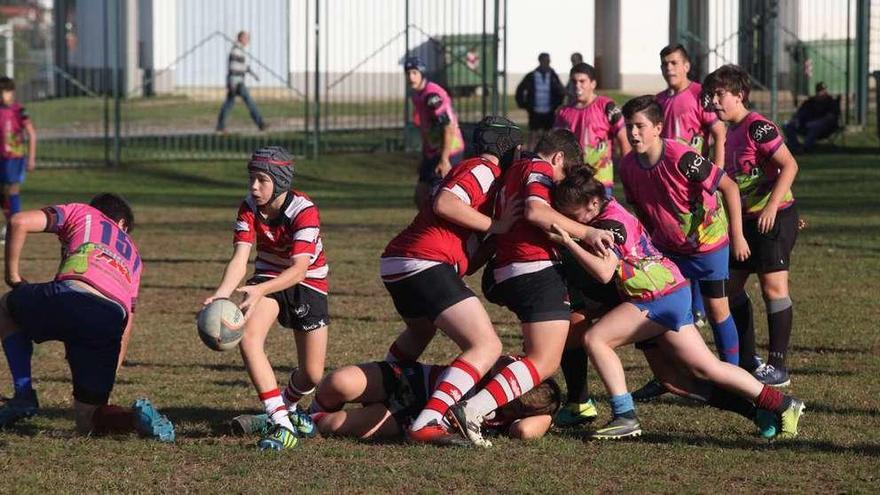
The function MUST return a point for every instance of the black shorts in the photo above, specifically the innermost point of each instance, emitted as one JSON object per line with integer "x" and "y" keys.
{"x": 541, "y": 121}
{"x": 771, "y": 252}
{"x": 587, "y": 294}
{"x": 300, "y": 308}
{"x": 534, "y": 297}
{"x": 428, "y": 293}
{"x": 406, "y": 390}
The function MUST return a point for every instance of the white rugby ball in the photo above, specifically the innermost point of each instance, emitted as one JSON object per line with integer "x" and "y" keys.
{"x": 221, "y": 325}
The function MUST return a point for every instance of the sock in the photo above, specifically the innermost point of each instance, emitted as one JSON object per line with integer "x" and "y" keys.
{"x": 276, "y": 409}
{"x": 109, "y": 419}
{"x": 19, "y": 349}
{"x": 397, "y": 355}
{"x": 743, "y": 318}
{"x": 622, "y": 405}
{"x": 292, "y": 395}
{"x": 14, "y": 204}
{"x": 720, "y": 398}
{"x": 726, "y": 340}
{"x": 697, "y": 298}
{"x": 514, "y": 380}
{"x": 453, "y": 383}
{"x": 574, "y": 369}
{"x": 772, "y": 400}
{"x": 779, "y": 319}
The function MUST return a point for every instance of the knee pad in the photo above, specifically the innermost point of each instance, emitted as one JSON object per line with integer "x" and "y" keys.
{"x": 713, "y": 289}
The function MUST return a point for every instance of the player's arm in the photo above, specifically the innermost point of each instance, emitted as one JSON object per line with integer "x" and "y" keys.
{"x": 601, "y": 268}
{"x": 539, "y": 213}
{"x": 719, "y": 136}
{"x": 32, "y": 144}
{"x": 126, "y": 335}
{"x": 733, "y": 205}
{"x": 622, "y": 142}
{"x": 20, "y": 225}
{"x": 235, "y": 270}
{"x": 444, "y": 166}
{"x": 450, "y": 207}
{"x": 788, "y": 169}
{"x": 291, "y": 276}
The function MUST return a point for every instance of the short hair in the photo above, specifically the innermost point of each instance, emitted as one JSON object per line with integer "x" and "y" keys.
{"x": 645, "y": 104}
{"x": 577, "y": 189}
{"x": 7, "y": 84}
{"x": 677, "y": 47}
{"x": 583, "y": 68}
{"x": 240, "y": 34}
{"x": 543, "y": 55}
{"x": 730, "y": 77}
{"x": 577, "y": 55}
{"x": 563, "y": 140}
{"x": 115, "y": 208}
{"x": 821, "y": 86}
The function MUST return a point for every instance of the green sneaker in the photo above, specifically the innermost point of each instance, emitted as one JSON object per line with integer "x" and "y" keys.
{"x": 788, "y": 420}
{"x": 574, "y": 414}
{"x": 278, "y": 438}
{"x": 767, "y": 423}
{"x": 250, "y": 424}
{"x": 619, "y": 427}
{"x": 302, "y": 421}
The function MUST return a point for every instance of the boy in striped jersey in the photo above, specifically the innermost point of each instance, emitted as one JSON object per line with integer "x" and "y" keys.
{"x": 291, "y": 272}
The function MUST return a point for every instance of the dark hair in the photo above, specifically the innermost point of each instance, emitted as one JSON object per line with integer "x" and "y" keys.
{"x": 821, "y": 86}
{"x": 6, "y": 84}
{"x": 115, "y": 208}
{"x": 563, "y": 140}
{"x": 645, "y": 104}
{"x": 583, "y": 68}
{"x": 543, "y": 55}
{"x": 678, "y": 47}
{"x": 544, "y": 399}
{"x": 577, "y": 189}
{"x": 732, "y": 78}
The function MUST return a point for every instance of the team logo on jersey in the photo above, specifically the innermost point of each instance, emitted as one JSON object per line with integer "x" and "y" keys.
{"x": 706, "y": 101}
{"x": 763, "y": 131}
{"x": 612, "y": 112}
{"x": 433, "y": 100}
{"x": 241, "y": 226}
{"x": 615, "y": 228}
{"x": 694, "y": 167}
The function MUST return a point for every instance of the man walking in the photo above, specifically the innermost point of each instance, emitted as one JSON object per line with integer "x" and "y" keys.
{"x": 236, "y": 70}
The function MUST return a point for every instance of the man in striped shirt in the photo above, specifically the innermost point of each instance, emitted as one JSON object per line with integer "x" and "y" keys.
{"x": 237, "y": 68}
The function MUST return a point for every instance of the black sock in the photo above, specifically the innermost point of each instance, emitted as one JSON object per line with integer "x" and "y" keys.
{"x": 728, "y": 401}
{"x": 574, "y": 369}
{"x": 779, "y": 320}
{"x": 743, "y": 317}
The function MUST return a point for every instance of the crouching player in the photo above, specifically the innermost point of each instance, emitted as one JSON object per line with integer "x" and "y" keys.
{"x": 89, "y": 307}
{"x": 657, "y": 306}
{"x": 291, "y": 272}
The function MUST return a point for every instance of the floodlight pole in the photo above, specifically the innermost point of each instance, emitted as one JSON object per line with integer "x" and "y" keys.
{"x": 863, "y": 13}
{"x": 10, "y": 50}
{"x": 774, "y": 60}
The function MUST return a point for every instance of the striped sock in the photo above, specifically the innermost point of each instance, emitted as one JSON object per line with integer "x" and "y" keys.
{"x": 292, "y": 395}
{"x": 455, "y": 381}
{"x": 275, "y": 408}
{"x": 514, "y": 380}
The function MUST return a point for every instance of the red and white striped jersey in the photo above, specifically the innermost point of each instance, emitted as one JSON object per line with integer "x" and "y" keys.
{"x": 295, "y": 232}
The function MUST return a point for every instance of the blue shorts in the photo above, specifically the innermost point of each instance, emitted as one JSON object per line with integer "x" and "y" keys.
{"x": 673, "y": 310}
{"x": 714, "y": 265}
{"x": 12, "y": 170}
{"x": 90, "y": 327}
{"x": 426, "y": 168}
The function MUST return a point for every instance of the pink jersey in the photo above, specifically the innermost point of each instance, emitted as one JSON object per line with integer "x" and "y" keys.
{"x": 677, "y": 200}
{"x": 686, "y": 118}
{"x": 96, "y": 251}
{"x": 431, "y": 114}
{"x": 596, "y": 126}
{"x": 644, "y": 274}
{"x": 747, "y": 152}
{"x": 296, "y": 232}
{"x": 12, "y": 121}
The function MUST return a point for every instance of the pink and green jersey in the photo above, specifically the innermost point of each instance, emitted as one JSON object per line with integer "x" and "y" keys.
{"x": 685, "y": 117}
{"x": 676, "y": 199}
{"x": 12, "y": 121}
{"x": 432, "y": 112}
{"x": 595, "y": 125}
{"x": 747, "y": 160}
{"x": 644, "y": 274}
{"x": 96, "y": 251}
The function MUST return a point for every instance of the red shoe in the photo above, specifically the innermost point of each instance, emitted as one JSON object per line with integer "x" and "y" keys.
{"x": 435, "y": 434}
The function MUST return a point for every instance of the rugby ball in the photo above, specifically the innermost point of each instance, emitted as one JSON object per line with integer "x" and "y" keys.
{"x": 221, "y": 324}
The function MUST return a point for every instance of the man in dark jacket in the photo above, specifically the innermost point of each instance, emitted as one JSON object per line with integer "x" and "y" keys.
{"x": 540, "y": 93}
{"x": 816, "y": 118}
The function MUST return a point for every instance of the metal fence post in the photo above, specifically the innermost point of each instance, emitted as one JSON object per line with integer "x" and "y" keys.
{"x": 504, "y": 69}
{"x": 495, "y": 58}
{"x": 107, "y": 81}
{"x": 774, "y": 60}
{"x": 863, "y": 13}
{"x": 306, "y": 101}
{"x": 406, "y": 143}
{"x": 485, "y": 87}
{"x": 117, "y": 85}
{"x": 316, "y": 137}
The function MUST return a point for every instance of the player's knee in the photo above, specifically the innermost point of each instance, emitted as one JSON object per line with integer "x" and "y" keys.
{"x": 330, "y": 423}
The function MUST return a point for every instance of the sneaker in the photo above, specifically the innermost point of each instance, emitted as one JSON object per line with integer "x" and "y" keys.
{"x": 19, "y": 407}
{"x": 788, "y": 420}
{"x": 756, "y": 364}
{"x": 436, "y": 434}
{"x": 278, "y": 438}
{"x": 574, "y": 414}
{"x": 767, "y": 423}
{"x": 775, "y": 377}
{"x": 700, "y": 319}
{"x": 649, "y": 391}
{"x": 302, "y": 421}
{"x": 150, "y": 423}
{"x": 468, "y": 424}
{"x": 619, "y": 427}
{"x": 250, "y": 424}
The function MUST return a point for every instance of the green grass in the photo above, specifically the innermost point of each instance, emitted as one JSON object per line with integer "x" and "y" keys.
{"x": 184, "y": 217}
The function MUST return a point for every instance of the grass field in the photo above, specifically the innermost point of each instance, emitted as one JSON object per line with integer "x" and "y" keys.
{"x": 184, "y": 219}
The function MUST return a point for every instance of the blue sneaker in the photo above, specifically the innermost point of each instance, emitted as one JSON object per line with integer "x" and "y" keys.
{"x": 278, "y": 438}
{"x": 19, "y": 407}
{"x": 302, "y": 421}
{"x": 767, "y": 423}
{"x": 149, "y": 423}
{"x": 250, "y": 424}
{"x": 770, "y": 375}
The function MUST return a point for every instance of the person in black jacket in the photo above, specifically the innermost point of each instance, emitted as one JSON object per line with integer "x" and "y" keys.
{"x": 540, "y": 93}
{"x": 816, "y": 118}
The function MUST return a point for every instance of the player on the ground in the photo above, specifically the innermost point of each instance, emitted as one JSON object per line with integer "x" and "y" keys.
{"x": 291, "y": 272}
{"x": 527, "y": 278}
{"x": 89, "y": 306}
{"x": 442, "y": 142}
{"x": 596, "y": 121}
{"x": 423, "y": 266}
{"x": 675, "y": 193}
{"x": 763, "y": 167}
{"x": 15, "y": 127}
{"x": 657, "y": 306}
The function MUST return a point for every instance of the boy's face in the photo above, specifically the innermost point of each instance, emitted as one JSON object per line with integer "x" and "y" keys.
{"x": 414, "y": 78}
{"x": 675, "y": 69}
{"x": 583, "y": 87}
{"x": 8, "y": 96}
{"x": 584, "y": 213}
{"x": 262, "y": 188}
{"x": 641, "y": 132}
{"x": 727, "y": 105}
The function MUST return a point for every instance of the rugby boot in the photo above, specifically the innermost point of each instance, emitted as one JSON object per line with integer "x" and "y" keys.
{"x": 303, "y": 422}
{"x": 278, "y": 438}
{"x": 649, "y": 391}
{"x": 767, "y": 423}
{"x": 250, "y": 424}
{"x": 619, "y": 427}
{"x": 19, "y": 407}
{"x": 468, "y": 423}
{"x": 789, "y": 418}
{"x": 574, "y": 414}
{"x": 150, "y": 423}
{"x": 770, "y": 375}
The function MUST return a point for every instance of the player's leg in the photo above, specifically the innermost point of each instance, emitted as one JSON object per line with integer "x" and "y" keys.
{"x": 18, "y": 349}
{"x": 228, "y": 103}
{"x": 11, "y": 199}
{"x": 251, "y": 106}
{"x": 579, "y": 407}
{"x": 722, "y": 322}
{"x": 412, "y": 341}
{"x": 777, "y": 300}
{"x": 371, "y": 421}
{"x": 742, "y": 312}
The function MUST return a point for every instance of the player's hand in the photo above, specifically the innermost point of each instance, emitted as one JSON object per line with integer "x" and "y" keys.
{"x": 14, "y": 281}
{"x": 252, "y": 295}
{"x": 559, "y": 235}
{"x": 741, "y": 251}
{"x": 511, "y": 212}
{"x": 31, "y": 164}
{"x": 599, "y": 241}
{"x": 212, "y": 299}
{"x": 767, "y": 219}
{"x": 802, "y": 224}
{"x": 443, "y": 167}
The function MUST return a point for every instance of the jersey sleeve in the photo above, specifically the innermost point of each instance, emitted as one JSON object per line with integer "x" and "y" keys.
{"x": 697, "y": 169}
{"x": 615, "y": 118}
{"x": 56, "y": 216}
{"x": 472, "y": 186}
{"x": 306, "y": 232}
{"x": 765, "y": 136}
{"x": 244, "y": 225}
{"x": 23, "y": 115}
{"x": 136, "y": 282}
{"x": 440, "y": 107}
{"x": 539, "y": 182}
{"x": 560, "y": 122}
{"x": 707, "y": 114}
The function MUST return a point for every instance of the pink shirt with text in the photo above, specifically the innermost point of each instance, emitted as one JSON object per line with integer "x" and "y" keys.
{"x": 432, "y": 112}
{"x": 596, "y": 126}
{"x": 685, "y": 117}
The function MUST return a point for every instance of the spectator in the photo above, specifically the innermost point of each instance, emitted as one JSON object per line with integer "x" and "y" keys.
{"x": 816, "y": 118}
{"x": 576, "y": 58}
{"x": 540, "y": 93}
{"x": 236, "y": 70}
